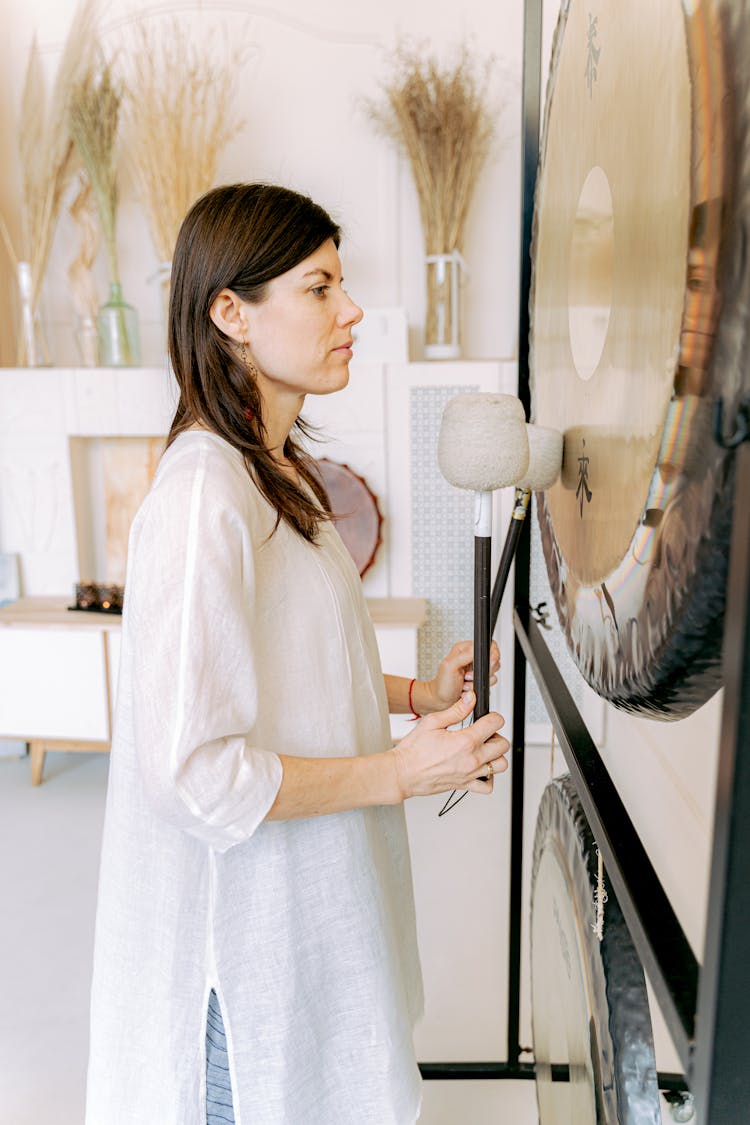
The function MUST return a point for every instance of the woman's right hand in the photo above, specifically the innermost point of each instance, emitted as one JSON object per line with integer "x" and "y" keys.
{"x": 432, "y": 759}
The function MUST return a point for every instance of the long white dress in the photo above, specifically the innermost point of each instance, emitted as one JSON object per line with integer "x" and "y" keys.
{"x": 238, "y": 645}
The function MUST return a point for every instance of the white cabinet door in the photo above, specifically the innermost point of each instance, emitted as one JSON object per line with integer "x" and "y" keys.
{"x": 53, "y": 684}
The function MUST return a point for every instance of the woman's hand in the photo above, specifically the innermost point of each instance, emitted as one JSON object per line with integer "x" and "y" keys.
{"x": 432, "y": 759}
{"x": 455, "y": 675}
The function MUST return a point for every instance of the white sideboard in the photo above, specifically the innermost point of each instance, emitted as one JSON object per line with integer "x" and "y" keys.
{"x": 60, "y": 670}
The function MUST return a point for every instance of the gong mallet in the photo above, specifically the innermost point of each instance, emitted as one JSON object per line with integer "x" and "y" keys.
{"x": 483, "y": 445}
{"x": 545, "y": 460}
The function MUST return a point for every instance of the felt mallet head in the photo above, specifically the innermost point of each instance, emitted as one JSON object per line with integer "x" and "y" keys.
{"x": 483, "y": 443}
{"x": 545, "y": 458}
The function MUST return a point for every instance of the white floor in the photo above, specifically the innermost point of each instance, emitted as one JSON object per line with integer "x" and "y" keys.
{"x": 49, "y": 853}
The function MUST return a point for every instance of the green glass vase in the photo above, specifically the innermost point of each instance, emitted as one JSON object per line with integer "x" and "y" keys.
{"x": 117, "y": 326}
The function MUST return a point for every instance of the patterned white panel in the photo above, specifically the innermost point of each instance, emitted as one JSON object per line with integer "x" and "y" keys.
{"x": 431, "y": 533}
{"x": 442, "y": 556}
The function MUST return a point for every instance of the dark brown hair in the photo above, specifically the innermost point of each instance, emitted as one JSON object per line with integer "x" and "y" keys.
{"x": 240, "y": 237}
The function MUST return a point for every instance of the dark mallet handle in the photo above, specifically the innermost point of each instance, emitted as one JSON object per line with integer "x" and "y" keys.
{"x": 523, "y": 495}
{"x": 482, "y": 631}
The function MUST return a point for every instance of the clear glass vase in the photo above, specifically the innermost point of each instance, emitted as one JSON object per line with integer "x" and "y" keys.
{"x": 32, "y": 347}
{"x": 443, "y": 321}
{"x": 117, "y": 325}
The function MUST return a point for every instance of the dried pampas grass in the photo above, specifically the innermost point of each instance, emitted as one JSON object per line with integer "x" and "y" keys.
{"x": 46, "y": 150}
{"x": 436, "y": 113}
{"x": 180, "y": 117}
{"x": 80, "y": 273}
{"x": 94, "y": 117}
{"x": 10, "y": 249}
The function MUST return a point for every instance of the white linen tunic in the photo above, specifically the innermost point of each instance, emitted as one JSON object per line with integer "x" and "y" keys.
{"x": 238, "y": 645}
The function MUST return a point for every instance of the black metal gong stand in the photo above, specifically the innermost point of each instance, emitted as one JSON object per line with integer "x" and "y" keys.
{"x": 514, "y": 1068}
{"x": 704, "y": 1005}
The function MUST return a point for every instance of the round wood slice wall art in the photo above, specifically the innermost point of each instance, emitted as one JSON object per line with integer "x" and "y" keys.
{"x": 589, "y": 1004}
{"x": 355, "y": 508}
{"x": 640, "y": 317}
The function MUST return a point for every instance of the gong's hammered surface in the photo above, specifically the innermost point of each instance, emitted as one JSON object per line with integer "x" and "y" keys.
{"x": 639, "y": 322}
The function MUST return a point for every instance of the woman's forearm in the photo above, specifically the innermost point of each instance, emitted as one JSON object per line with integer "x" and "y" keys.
{"x": 397, "y": 691}
{"x": 433, "y": 758}
{"x": 319, "y": 786}
{"x": 453, "y": 676}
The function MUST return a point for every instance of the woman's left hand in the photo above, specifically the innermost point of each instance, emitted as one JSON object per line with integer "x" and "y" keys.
{"x": 455, "y": 674}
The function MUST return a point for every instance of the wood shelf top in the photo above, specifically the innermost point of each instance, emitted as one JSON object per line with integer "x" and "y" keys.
{"x": 49, "y": 611}
{"x": 53, "y": 612}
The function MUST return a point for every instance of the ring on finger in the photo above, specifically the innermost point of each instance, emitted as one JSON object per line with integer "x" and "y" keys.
{"x": 490, "y": 770}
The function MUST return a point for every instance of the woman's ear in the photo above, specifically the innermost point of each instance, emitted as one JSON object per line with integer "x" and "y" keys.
{"x": 228, "y": 314}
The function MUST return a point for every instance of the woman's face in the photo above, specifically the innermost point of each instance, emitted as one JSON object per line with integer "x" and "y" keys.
{"x": 300, "y": 336}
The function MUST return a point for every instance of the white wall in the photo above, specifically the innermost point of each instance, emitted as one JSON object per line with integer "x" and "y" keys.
{"x": 301, "y": 92}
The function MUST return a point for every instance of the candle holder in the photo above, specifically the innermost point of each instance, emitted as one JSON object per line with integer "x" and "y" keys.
{"x": 98, "y": 598}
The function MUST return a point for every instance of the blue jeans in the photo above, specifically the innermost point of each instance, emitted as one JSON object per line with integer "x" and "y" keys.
{"x": 219, "y": 1109}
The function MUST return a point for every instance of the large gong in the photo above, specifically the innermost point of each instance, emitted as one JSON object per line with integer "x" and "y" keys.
{"x": 638, "y": 320}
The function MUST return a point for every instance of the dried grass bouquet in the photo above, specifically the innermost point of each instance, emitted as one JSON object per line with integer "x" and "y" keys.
{"x": 437, "y": 114}
{"x": 94, "y": 120}
{"x": 48, "y": 162}
{"x": 82, "y": 211}
{"x": 95, "y": 115}
{"x": 180, "y": 117}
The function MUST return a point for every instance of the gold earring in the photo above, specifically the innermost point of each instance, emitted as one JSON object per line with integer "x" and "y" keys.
{"x": 247, "y": 363}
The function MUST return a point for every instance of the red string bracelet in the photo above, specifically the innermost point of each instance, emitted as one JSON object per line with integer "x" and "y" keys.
{"x": 414, "y": 715}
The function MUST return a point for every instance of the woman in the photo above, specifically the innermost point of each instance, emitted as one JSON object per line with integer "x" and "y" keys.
{"x": 255, "y": 859}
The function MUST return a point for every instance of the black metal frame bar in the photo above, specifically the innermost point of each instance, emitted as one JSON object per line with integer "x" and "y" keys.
{"x": 653, "y": 924}
{"x": 530, "y": 116}
{"x": 453, "y": 1071}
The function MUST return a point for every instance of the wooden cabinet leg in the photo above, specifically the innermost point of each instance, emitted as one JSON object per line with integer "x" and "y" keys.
{"x": 37, "y": 753}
